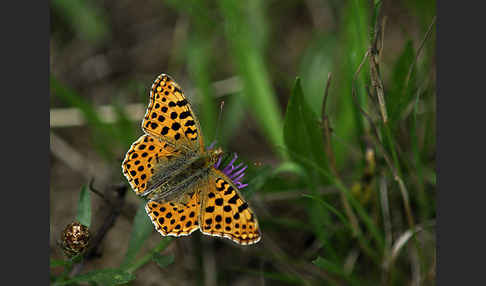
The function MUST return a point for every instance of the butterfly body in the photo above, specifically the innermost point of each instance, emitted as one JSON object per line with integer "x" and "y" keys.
{"x": 170, "y": 167}
{"x": 171, "y": 182}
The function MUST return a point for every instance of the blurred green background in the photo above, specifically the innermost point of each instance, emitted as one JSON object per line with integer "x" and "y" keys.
{"x": 345, "y": 195}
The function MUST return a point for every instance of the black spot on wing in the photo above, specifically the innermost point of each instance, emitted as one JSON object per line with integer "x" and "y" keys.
{"x": 233, "y": 199}
{"x": 243, "y": 207}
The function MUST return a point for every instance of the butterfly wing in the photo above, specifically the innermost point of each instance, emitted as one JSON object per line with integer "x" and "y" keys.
{"x": 225, "y": 213}
{"x": 175, "y": 218}
{"x": 170, "y": 118}
{"x": 145, "y": 156}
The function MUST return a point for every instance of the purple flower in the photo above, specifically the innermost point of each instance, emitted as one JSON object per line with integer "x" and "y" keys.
{"x": 235, "y": 173}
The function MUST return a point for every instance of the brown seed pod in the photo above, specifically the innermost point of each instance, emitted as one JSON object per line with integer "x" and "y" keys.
{"x": 74, "y": 239}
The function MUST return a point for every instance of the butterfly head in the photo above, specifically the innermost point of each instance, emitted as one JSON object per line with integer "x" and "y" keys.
{"x": 215, "y": 154}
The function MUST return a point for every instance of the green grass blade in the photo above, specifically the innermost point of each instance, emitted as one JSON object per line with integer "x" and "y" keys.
{"x": 199, "y": 67}
{"x": 397, "y": 98}
{"x": 257, "y": 90}
{"x": 84, "y": 207}
{"x": 353, "y": 42}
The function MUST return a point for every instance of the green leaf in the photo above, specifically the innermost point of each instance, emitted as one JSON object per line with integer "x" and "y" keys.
{"x": 141, "y": 230}
{"x": 84, "y": 207}
{"x": 347, "y": 121}
{"x": 163, "y": 260}
{"x": 303, "y": 134}
{"x": 315, "y": 65}
{"x": 106, "y": 277}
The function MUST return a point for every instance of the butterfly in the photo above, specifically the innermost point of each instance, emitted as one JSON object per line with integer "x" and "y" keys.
{"x": 170, "y": 167}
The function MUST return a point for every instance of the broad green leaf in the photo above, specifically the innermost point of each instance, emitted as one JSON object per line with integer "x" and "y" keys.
{"x": 303, "y": 134}
{"x": 314, "y": 68}
{"x": 84, "y": 207}
{"x": 141, "y": 230}
{"x": 163, "y": 260}
{"x": 303, "y": 137}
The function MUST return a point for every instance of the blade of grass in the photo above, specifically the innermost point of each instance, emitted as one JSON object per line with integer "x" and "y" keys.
{"x": 257, "y": 90}
{"x": 199, "y": 49}
{"x": 84, "y": 207}
{"x": 353, "y": 42}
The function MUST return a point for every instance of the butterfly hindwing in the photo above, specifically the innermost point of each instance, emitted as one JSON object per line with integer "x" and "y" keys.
{"x": 225, "y": 212}
{"x": 175, "y": 218}
{"x": 169, "y": 116}
{"x": 143, "y": 159}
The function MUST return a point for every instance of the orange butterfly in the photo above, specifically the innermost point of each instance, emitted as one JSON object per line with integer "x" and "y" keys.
{"x": 170, "y": 167}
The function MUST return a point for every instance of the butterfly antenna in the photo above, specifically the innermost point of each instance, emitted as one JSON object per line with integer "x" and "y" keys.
{"x": 218, "y": 126}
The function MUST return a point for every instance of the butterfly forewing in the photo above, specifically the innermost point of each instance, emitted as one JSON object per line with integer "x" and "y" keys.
{"x": 225, "y": 213}
{"x": 142, "y": 160}
{"x": 170, "y": 117}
